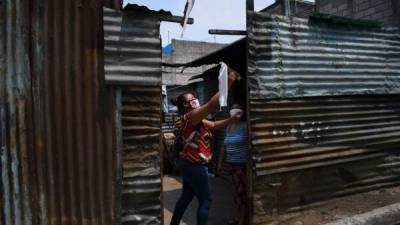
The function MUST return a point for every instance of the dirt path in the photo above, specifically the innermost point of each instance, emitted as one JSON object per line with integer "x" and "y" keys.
{"x": 222, "y": 209}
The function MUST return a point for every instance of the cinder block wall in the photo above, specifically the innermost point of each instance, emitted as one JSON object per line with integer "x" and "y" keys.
{"x": 183, "y": 52}
{"x": 299, "y": 8}
{"x": 385, "y": 10}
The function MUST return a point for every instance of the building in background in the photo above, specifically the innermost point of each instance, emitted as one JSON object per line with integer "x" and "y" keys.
{"x": 387, "y": 11}
{"x": 297, "y": 8}
{"x": 181, "y": 52}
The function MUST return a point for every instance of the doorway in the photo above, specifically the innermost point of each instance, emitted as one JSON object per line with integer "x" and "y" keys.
{"x": 223, "y": 209}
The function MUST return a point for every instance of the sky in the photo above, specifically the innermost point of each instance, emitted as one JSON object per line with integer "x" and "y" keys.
{"x": 207, "y": 14}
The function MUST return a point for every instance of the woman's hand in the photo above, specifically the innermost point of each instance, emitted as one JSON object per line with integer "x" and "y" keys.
{"x": 233, "y": 76}
{"x": 197, "y": 115}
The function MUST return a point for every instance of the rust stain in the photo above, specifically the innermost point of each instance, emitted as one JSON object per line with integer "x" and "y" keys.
{"x": 307, "y": 150}
{"x": 61, "y": 107}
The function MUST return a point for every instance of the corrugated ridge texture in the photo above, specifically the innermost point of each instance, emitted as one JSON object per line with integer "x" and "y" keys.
{"x": 132, "y": 48}
{"x": 141, "y": 125}
{"x": 133, "y": 60}
{"x": 57, "y": 117}
{"x": 15, "y": 207}
{"x": 74, "y": 116}
{"x": 292, "y": 57}
{"x": 310, "y": 149}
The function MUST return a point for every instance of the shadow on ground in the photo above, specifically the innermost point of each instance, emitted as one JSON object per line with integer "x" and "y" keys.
{"x": 222, "y": 209}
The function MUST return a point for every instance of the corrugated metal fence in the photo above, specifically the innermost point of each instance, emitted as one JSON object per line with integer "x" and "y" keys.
{"x": 133, "y": 60}
{"x": 58, "y": 159}
{"x": 296, "y": 57}
{"x": 307, "y": 149}
{"x": 14, "y": 113}
{"x": 312, "y": 149}
{"x": 132, "y": 48}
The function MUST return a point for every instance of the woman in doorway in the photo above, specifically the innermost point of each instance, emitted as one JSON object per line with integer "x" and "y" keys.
{"x": 196, "y": 153}
{"x": 235, "y": 151}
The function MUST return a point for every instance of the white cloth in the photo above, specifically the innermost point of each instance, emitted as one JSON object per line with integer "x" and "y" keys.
{"x": 164, "y": 98}
{"x": 188, "y": 9}
{"x": 223, "y": 85}
{"x": 164, "y": 89}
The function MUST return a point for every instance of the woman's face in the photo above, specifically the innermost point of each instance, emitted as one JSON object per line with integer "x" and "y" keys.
{"x": 236, "y": 111}
{"x": 190, "y": 103}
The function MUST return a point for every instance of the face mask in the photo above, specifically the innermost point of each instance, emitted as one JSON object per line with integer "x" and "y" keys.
{"x": 195, "y": 103}
{"x": 235, "y": 112}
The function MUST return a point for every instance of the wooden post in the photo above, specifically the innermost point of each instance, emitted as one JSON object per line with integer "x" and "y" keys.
{"x": 317, "y": 6}
{"x": 250, "y": 5}
{"x": 396, "y": 12}
{"x": 288, "y": 10}
{"x": 249, "y": 164}
{"x": 174, "y": 19}
{"x": 227, "y": 32}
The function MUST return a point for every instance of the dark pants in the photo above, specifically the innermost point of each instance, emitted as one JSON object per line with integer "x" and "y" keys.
{"x": 195, "y": 183}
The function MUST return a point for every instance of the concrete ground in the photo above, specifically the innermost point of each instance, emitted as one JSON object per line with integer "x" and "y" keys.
{"x": 385, "y": 215}
{"x": 222, "y": 209}
{"x": 319, "y": 213}
{"x": 345, "y": 207}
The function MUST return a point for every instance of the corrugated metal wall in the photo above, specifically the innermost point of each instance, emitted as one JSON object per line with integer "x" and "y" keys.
{"x": 14, "y": 115}
{"x": 291, "y": 57}
{"x": 141, "y": 124}
{"x": 57, "y": 120}
{"x": 132, "y": 47}
{"x": 133, "y": 59}
{"x": 309, "y": 149}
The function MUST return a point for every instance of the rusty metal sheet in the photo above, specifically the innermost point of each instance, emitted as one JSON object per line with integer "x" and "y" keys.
{"x": 306, "y": 150}
{"x": 57, "y": 116}
{"x": 133, "y": 62}
{"x": 292, "y": 57}
{"x": 132, "y": 47}
{"x": 141, "y": 130}
{"x": 14, "y": 114}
